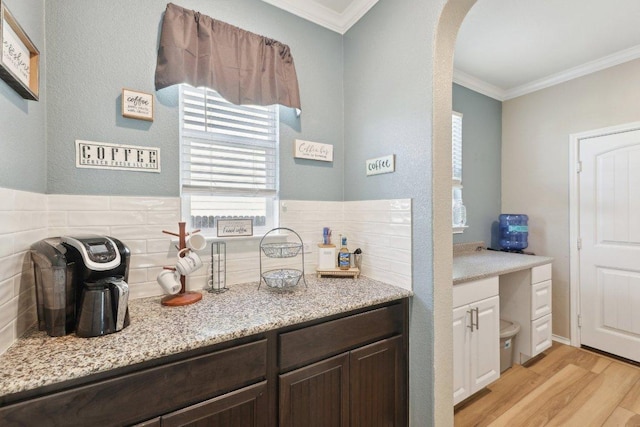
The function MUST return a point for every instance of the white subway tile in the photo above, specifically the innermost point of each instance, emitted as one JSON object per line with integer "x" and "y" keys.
{"x": 25, "y": 320}
{"x": 57, "y": 219}
{"x": 122, "y": 203}
{"x": 8, "y": 197}
{"x": 135, "y": 246}
{"x": 27, "y": 201}
{"x": 7, "y": 337}
{"x": 76, "y": 231}
{"x": 145, "y": 290}
{"x": 138, "y": 232}
{"x": 8, "y": 312}
{"x": 159, "y": 245}
{"x": 150, "y": 260}
{"x": 6, "y": 291}
{"x": 24, "y": 239}
{"x": 10, "y": 266}
{"x": 9, "y": 222}
{"x": 106, "y": 218}
{"x": 163, "y": 217}
{"x": 6, "y": 244}
{"x": 67, "y": 202}
{"x": 137, "y": 275}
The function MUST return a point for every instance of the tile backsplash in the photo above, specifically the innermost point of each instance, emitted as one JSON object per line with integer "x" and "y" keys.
{"x": 381, "y": 228}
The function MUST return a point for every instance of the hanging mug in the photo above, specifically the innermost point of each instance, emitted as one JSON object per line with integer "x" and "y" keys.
{"x": 169, "y": 281}
{"x": 188, "y": 263}
{"x": 196, "y": 242}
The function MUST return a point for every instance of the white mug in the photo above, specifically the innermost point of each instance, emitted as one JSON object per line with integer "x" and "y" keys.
{"x": 169, "y": 281}
{"x": 196, "y": 242}
{"x": 188, "y": 263}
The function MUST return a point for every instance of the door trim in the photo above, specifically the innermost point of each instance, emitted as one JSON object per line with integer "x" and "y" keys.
{"x": 574, "y": 217}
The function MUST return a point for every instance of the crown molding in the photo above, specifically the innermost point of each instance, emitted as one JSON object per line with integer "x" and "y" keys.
{"x": 477, "y": 85}
{"x": 480, "y": 86}
{"x": 324, "y": 16}
{"x": 573, "y": 73}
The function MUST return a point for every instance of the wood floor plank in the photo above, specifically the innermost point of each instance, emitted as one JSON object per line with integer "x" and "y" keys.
{"x": 566, "y": 355}
{"x": 622, "y": 417}
{"x": 597, "y": 401}
{"x": 514, "y": 385}
{"x": 632, "y": 399}
{"x": 543, "y": 403}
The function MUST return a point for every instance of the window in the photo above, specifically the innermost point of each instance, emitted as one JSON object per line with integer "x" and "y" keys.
{"x": 228, "y": 160}
{"x": 459, "y": 213}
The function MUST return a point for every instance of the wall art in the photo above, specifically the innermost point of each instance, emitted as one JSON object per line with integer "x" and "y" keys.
{"x": 137, "y": 105}
{"x": 20, "y": 59}
{"x": 313, "y": 151}
{"x": 102, "y": 155}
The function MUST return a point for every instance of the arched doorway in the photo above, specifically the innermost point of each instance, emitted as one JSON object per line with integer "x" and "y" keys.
{"x": 449, "y": 23}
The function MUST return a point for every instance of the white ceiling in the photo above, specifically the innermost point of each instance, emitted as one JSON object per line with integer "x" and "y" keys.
{"x": 507, "y": 48}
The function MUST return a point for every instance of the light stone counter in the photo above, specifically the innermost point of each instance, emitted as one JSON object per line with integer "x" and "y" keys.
{"x": 37, "y": 359}
{"x": 479, "y": 264}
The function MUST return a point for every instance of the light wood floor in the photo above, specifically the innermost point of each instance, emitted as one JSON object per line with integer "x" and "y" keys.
{"x": 568, "y": 387}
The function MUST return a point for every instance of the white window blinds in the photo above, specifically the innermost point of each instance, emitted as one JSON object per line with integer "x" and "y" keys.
{"x": 456, "y": 131}
{"x": 227, "y": 149}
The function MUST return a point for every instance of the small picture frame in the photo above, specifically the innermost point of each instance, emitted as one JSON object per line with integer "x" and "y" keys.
{"x": 137, "y": 105}
{"x": 19, "y": 57}
{"x": 236, "y": 227}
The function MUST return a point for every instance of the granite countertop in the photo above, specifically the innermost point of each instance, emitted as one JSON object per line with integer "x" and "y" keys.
{"x": 37, "y": 359}
{"x": 475, "y": 262}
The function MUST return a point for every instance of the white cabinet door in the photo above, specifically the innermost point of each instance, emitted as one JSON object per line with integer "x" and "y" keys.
{"x": 541, "y": 334}
{"x": 460, "y": 354}
{"x": 485, "y": 343}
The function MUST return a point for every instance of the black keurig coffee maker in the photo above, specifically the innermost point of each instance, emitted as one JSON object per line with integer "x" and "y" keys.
{"x": 81, "y": 285}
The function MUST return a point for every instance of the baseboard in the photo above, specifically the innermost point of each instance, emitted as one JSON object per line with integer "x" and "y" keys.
{"x": 561, "y": 340}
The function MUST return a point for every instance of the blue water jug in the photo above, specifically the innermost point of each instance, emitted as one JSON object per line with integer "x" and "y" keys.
{"x": 514, "y": 231}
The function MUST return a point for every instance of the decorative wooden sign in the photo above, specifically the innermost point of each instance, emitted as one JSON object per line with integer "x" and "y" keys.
{"x": 380, "y": 165}
{"x": 313, "y": 151}
{"x": 137, "y": 105}
{"x": 235, "y": 227}
{"x": 101, "y": 155}
{"x": 19, "y": 58}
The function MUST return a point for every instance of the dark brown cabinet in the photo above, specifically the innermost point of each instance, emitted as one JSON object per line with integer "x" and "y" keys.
{"x": 364, "y": 387}
{"x": 346, "y": 370}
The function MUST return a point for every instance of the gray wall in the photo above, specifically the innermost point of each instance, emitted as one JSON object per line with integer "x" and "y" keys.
{"x": 22, "y": 123}
{"x": 96, "y": 48}
{"x": 388, "y": 72}
{"x": 481, "y": 154}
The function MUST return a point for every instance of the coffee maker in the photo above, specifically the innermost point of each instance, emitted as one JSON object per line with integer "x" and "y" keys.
{"x": 81, "y": 285}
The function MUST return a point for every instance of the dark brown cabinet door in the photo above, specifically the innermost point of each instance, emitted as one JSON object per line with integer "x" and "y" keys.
{"x": 378, "y": 385}
{"x": 316, "y": 395}
{"x": 247, "y": 407}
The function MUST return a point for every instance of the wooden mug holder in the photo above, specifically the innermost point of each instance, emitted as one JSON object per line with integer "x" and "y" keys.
{"x": 183, "y": 297}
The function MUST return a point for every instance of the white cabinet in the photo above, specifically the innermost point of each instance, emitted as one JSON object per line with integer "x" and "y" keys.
{"x": 525, "y": 297}
{"x": 476, "y": 336}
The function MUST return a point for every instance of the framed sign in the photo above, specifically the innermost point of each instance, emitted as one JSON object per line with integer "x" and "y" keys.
{"x": 380, "y": 165}
{"x": 20, "y": 59}
{"x": 137, "y": 105}
{"x": 102, "y": 155}
{"x": 235, "y": 227}
{"x": 313, "y": 151}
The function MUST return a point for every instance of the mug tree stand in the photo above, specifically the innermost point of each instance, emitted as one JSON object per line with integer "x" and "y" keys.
{"x": 183, "y": 297}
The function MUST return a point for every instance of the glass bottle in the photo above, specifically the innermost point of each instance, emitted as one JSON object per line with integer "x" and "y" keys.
{"x": 344, "y": 256}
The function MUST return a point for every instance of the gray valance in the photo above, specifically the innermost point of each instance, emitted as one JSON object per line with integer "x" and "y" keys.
{"x": 245, "y": 68}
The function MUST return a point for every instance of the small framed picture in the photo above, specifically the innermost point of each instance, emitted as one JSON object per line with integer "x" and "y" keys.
{"x": 19, "y": 58}
{"x": 137, "y": 105}
{"x": 235, "y": 227}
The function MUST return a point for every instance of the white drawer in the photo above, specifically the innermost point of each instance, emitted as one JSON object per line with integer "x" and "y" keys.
{"x": 540, "y": 335}
{"x": 540, "y": 299}
{"x": 468, "y": 292}
{"x": 541, "y": 273}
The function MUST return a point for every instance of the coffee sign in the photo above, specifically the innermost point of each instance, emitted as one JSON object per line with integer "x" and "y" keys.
{"x": 380, "y": 165}
{"x": 102, "y": 155}
{"x": 137, "y": 105}
{"x": 235, "y": 227}
{"x": 313, "y": 151}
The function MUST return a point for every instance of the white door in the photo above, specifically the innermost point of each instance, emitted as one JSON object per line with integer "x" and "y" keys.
{"x": 460, "y": 354}
{"x": 610, "y": 234}
{"x": 485, "y": 344}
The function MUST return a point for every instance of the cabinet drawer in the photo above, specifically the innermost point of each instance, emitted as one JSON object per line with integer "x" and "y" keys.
{"x": 142, "y": 395}
{"x": 540, "y": 335}
{"x": 468, "y": 292}
{"x": 540, "y": 273}
{"x": 298, "y": 348}
{"x": 540, "y": 299}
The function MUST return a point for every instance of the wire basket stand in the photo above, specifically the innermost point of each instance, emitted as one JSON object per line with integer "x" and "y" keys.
{"x": 281, "y": 278}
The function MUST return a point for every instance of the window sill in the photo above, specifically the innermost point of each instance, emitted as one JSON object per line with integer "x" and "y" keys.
{"x": 212, "y": 238}
{"x": 459, "y": 229}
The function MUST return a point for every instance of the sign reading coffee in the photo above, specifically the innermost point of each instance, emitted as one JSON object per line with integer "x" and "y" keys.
{"x": 101, "y": 155}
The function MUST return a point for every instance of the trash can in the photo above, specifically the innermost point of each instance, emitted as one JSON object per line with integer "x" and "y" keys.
{"x": 508, "y": 331}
